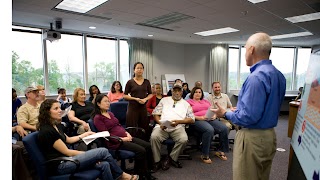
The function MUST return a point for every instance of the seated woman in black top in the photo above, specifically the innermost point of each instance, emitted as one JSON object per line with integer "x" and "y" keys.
{"x": 53, "y": 141}
{"x": 81, "y": 110}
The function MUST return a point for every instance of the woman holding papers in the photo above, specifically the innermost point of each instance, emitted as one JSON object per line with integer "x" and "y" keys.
{"x": 53, "y": 141}
{"x": 208, "y": 125}
{"x": 106, "y": 121}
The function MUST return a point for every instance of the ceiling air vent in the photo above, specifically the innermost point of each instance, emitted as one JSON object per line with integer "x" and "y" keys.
{"x": 157, "y": 22}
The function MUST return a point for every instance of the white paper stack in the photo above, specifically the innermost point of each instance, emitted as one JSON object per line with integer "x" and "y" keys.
{"x": 87, "y": 140}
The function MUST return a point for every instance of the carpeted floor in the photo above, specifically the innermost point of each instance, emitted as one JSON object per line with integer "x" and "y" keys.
{"x": 222, "y": 170}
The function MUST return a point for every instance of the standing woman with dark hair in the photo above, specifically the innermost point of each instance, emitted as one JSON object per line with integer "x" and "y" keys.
{"x": 93, "y": 91}
{"x": 140, "y": 92}
{"x": 53, "y": 141}
{"x": 116, "y": 92}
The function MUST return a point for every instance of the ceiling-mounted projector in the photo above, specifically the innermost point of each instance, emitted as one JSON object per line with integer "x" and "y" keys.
{"x": 51, "y": 35}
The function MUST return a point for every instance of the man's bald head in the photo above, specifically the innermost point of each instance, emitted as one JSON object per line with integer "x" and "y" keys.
{"x": 258, "y": 47}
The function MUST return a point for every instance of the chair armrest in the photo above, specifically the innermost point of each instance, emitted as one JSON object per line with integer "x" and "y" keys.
{"x": 117, "y": 138}
{"x": 117, "y": 153}
{"x": 137, "y": 129}
{"x": 75, "y": 161}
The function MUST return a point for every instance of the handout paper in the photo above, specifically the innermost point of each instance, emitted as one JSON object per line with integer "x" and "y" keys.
{"x": 87, "y": 140}
{"x": 166, "y": 123}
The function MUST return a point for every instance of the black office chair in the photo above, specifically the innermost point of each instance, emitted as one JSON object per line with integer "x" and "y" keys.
{"x": 119, "y": 109}
{"x": 31, "y": 144}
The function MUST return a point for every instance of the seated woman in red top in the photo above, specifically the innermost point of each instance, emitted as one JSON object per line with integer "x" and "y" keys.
{"x": 116, "y": 92}
{"x": 106, "y": 121}
{"x": 154, "y": 101}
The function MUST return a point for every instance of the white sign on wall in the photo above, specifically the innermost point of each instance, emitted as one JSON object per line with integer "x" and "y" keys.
{"x": 169, "y": 81}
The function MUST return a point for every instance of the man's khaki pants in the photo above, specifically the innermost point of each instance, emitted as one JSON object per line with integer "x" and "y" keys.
{"x": 253, "y": 153}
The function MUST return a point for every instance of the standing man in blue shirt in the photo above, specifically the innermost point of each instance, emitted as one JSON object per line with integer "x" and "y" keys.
{"x": 257, "y": 112}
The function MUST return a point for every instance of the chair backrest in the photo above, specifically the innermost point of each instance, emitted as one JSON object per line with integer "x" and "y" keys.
{"x": 92, "y": 126}
{"x": 119, "y": 109}
{"x": 31, "y": 144}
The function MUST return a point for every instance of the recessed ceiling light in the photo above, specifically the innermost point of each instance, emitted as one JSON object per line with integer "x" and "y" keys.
{"x": 217, "y": 31}
{"x": 150, "y": 35}
{"x": 92, "y": 27}
{"x": 80, "y": 6}
{"x": 256, "y": 1}
{"x": 304, "y": 18}
{"x": 292, "y": 35}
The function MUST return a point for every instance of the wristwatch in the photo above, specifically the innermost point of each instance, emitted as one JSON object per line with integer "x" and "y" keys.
{"x": 224, "y": 115}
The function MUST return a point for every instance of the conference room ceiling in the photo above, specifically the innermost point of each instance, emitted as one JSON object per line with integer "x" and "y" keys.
{"x": 135, "y": 18}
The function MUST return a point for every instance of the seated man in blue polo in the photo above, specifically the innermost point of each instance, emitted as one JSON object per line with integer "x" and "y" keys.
{"x": 171, "y": 115}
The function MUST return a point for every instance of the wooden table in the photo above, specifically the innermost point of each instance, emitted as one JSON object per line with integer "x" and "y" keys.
{"x": 293, "y": 111}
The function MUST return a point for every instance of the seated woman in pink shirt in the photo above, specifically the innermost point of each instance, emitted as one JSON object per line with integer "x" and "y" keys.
{"x": 116, "y": 92}
{"x": 208, "y": 126}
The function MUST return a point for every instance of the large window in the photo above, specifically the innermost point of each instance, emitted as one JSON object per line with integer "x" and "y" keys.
{"x": 124, "y": 63}
{"x": 302, "y": 65}
{"x": 27, "y": 63}
{"x": 233, "y": 67}
{"x": 65, "y": 63}
{"x": 101, "y": 62}
{"x": 244, "y": 69}
{"x": 283, "y": 58}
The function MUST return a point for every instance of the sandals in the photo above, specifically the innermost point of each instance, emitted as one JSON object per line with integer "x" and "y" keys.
{"x": 206, "y": 160}
{"x": 221, "y": 156}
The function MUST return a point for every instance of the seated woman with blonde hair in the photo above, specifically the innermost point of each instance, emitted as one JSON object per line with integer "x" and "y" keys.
{"x": 81, "y": 110}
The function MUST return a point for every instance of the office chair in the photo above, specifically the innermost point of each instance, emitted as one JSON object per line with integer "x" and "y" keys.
{"x": 170, "y": 144}
{"x": 118, "y": 154}
{"x": 119, "y": 109}
{"x": 31, "y": 144}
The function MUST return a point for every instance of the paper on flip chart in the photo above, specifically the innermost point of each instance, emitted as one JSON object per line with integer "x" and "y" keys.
{"x": 66, "y": 111}
{"x": 87, "y": 140}
{"x": 167, "y": 124}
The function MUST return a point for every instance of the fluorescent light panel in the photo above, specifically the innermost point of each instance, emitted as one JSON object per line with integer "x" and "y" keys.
{"x": 217, "y": 31}
{"x": 292, "y": 35}
{"x": 304, "y": 18}
{"x": 256, "y": 1}
{"x": 80, "y": 6}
